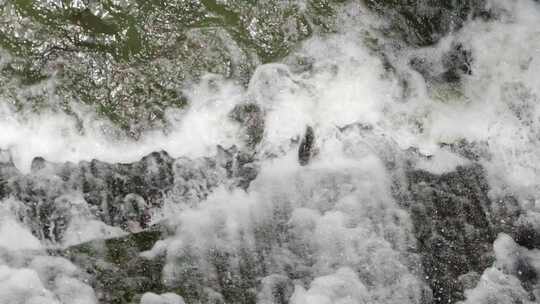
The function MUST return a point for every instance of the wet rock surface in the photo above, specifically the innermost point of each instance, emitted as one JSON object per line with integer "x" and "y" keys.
{"x": 119, "y": 195}
{"x": 424, "y": 22}
{"x": 456, "y": 224}
{"x": 329, "y": 230}
{"x": 251, "y": 117}
{"x": 450, "y": 215}
{"x": 115, "y": 268}
{"x": 306, "y": 149}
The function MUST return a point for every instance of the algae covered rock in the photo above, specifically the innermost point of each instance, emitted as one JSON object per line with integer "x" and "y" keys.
{"x": 131, "y": 60}
{"x": 117, "y": 271}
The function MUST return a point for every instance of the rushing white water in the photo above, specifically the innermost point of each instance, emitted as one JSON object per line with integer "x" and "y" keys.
{"x": 334, "y": 220}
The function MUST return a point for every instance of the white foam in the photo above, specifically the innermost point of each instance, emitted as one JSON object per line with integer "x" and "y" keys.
{"x": 499, "y": 283}
{"x": 46, "y": 280}
{"x": 441, "y": 161}
{"x": 166, "y": 298}
{"x": 14, "y": 236}
{"x": 56, "y": 137}
{"x": 17, "y": 284}
{"x": 338, "y": 210}
{"x": 343, "y": 287}
{"x": 339, "y": 213}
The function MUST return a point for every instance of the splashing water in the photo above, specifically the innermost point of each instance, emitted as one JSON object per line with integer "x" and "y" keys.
{"x": 358, "y": 168}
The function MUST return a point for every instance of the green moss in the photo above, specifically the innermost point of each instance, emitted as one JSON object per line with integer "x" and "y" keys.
{"x": 131, "y": 62}
{"x": 118, "y": 273}
{"x": 120, "y": 251}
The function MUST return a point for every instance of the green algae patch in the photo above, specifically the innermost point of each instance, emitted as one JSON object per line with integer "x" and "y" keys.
{"x": 131, "y": 60}
{"x": 115, "y": 268}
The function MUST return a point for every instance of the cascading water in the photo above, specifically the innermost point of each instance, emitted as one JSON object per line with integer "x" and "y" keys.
{"x": 269, "y": 152}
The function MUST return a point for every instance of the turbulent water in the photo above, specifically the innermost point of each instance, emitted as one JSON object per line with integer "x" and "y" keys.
{"x": 269, "y": 152}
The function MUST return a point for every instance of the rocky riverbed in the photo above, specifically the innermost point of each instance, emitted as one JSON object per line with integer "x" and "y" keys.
{"x": 170, "y": 152}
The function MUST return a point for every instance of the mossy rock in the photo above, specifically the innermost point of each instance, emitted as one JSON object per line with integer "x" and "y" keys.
{"x": 117, "y": 271}
{"x": 424, "y": 22}
{"x": 130, "y": 62}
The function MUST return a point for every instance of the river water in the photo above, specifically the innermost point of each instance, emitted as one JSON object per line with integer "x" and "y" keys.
{"x": 350, "y": 166}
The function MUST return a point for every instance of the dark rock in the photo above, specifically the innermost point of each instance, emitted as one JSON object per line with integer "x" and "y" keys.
{"x": 527, "y": 274}
{"x": 276, "y": 289}
{"x": 449, "y": 68}
{"x": 240, "y": 166}
{"x": 7, "y": 169}
{"x": 251, "y": 117}
{"x": 457, "y": 61}
{"x": 453, "y": 226}
{"x": 527, "y": 236}
{"x": 116, "y": 271}
{"x": 470, "y": 150}
{"x": 121, "y": 195}
{"x": 38, "y": 163}
{"x": 305, "y": 150}
{"x": 424, "y": 22}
